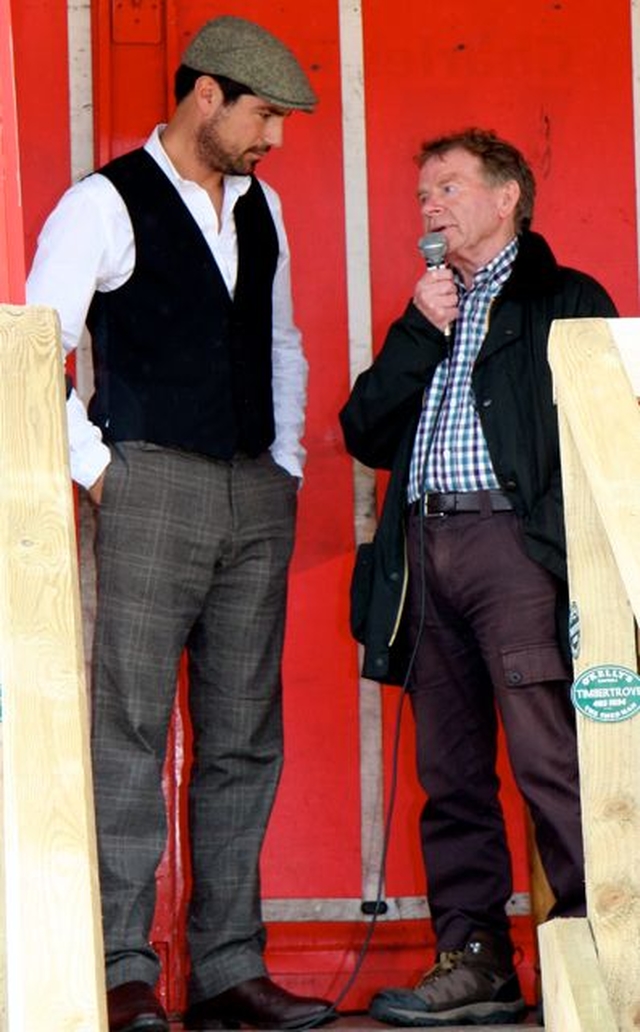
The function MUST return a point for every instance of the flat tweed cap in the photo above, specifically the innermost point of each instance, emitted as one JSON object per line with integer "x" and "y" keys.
{"x": 248, "y": 54}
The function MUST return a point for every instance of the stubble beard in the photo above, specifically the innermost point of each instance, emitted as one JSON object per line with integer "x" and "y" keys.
{"x": 212, "y": 152}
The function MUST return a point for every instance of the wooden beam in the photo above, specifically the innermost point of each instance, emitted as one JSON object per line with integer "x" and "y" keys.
{"x": 600, "y": 442}
{"x": 575, "y": 996}
{"x": 12, "y": 262}
{"x": 595, "y": 395}
{"x": 625, "y": 333}
{"x": 55, "y": 965}
{"x": 3, "y": 951}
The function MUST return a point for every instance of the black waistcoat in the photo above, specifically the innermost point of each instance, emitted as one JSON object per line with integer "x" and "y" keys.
{"x": 176, "y": 361}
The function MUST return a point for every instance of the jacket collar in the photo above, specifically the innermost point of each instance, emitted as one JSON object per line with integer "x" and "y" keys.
{"x": 535, "y": 270}
{"x": 535, "y": 274}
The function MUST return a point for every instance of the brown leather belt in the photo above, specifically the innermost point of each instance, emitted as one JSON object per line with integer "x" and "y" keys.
{"x": 447, "y": 503}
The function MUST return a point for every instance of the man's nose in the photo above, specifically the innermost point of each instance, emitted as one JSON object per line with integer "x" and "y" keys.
{"x": 430, "y": 206}
{"x": 274, "y": 135}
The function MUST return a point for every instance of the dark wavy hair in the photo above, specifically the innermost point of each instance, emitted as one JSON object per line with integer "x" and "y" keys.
{"x": 501, "y": 162}
{"x": 185, "y": 79}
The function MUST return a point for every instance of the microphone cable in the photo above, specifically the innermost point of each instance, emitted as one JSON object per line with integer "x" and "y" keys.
{"x": 332, "y": 1012}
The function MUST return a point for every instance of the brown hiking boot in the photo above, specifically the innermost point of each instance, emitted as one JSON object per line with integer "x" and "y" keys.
{"x": 474, "y": 986}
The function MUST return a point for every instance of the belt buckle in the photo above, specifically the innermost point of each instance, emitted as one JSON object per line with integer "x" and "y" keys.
{"x": 450, "y": 502}
{"x": 439, "y": 515}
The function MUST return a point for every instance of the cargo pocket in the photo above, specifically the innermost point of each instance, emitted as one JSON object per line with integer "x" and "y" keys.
{"x": 531, "y": 665}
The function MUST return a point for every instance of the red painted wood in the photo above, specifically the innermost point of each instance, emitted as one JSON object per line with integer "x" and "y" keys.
{"x": 553, "y": 76}
{"x": 313, "y": 843}
{"x": 530, "y": 76}
{"x": 543, "y": 77}
{"x": 41, "y": 82}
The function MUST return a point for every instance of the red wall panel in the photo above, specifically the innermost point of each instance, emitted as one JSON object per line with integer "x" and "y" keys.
{"x": 41, "y": 68}
{"x": 528, "y": 72}
{"x": 556, "y": 78}
{"x": 317, "y": 803}
{"x": 313, "y": 847}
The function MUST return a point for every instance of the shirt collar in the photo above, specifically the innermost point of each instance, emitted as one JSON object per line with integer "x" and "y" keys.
{"x": 492, "y": 275}
{"x": 235, "y": 186}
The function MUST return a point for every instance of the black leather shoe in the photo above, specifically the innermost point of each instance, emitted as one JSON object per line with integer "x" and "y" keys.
{"x": 133, "y": 1007}
{"x": 261, "y": 1003}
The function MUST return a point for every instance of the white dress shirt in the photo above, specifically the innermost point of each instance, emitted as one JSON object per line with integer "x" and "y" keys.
{"x": 87, "y": 245}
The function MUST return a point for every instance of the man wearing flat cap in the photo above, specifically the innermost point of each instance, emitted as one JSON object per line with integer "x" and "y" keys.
{"x": 176, "y": 259}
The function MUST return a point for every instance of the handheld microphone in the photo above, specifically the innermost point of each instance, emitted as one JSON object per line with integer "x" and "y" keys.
{"x": 433, "y": 248}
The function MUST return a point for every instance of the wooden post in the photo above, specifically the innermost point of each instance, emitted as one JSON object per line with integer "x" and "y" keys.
{"x": 575, "y": 997}
{"x": 600, "y": 440}
{"x": 12, "y": 265}
{"x": 53, "y": 943}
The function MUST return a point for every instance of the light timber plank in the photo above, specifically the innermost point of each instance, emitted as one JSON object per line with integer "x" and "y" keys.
{"x": 600, "y": 442}
{"x": 626, "y": 334}
{"x": 55, "y": 973}
{"x": 595, "y": 395}
{"x": 575, "y": 996}
{"x": 3, "y": 951}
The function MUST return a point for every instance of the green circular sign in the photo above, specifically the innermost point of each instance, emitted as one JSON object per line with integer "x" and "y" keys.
{"x": 607, "y": 693}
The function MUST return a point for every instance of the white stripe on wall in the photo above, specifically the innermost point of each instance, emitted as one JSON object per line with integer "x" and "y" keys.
{"x": 81, "y": 130}
{"x": 360, "y": 353}
{"x": 80, "y": 87}
{"x": 400, "y": 908}
{"x": 355, "y": 184}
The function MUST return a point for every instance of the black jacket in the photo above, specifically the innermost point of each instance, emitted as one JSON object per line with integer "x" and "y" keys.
{"x": 511, "y": 381}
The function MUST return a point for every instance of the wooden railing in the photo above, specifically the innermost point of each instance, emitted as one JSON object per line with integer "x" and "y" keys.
{"x": 51, "y": 954}
{"x": 52, "y": 964}
{"x": 591, "y": 967}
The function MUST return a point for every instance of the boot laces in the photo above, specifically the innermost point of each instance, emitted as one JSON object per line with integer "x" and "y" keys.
{"x": 447, "y": 962}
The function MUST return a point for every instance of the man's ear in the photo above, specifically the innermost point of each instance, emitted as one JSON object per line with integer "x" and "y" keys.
{"x": 207, "y": 93}
{"x": 509, "y": 197}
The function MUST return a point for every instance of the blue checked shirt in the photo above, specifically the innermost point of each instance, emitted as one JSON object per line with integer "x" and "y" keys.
{"x": 450, "y": 452}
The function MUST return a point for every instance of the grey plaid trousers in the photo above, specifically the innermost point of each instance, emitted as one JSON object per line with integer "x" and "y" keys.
{"x": 191, "y": 554}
